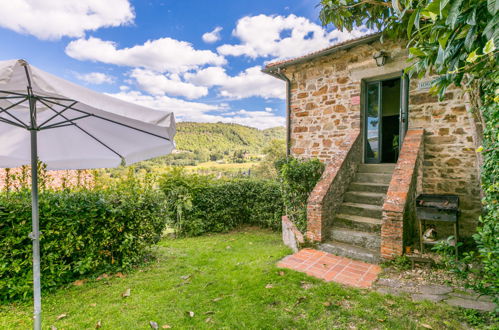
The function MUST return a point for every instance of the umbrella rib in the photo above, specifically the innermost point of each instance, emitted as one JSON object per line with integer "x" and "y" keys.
{"x": 112, "y": 121}
{"x": 58, "y": 113}
{"x": 11, "y": 97}
{"x": 84, "y": 131}
{"x": 64, "y": 123}
{"x": 5, "y": 110}
{"x": 6, "y": 121}
{"x": 56, "y": 98}
{"x": 13, "y": 93}
{"x": 59, "y": 125}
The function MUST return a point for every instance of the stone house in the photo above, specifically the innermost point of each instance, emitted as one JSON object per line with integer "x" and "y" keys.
{"x": 384, "y": 139}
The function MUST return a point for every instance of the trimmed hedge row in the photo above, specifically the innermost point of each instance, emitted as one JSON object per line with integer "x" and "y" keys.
{"x": 83, "y": 233}
{"x": 200, "y": 204}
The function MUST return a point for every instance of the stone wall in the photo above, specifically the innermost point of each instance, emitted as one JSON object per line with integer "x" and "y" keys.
{"x": 326, "y": 109}
{"x": 449, "y": 165}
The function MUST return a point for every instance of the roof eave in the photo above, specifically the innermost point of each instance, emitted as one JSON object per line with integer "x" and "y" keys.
{"x": 272, "y": 68}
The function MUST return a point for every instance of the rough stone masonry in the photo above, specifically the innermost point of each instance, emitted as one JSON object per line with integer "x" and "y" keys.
{"x": 325, "y": 109}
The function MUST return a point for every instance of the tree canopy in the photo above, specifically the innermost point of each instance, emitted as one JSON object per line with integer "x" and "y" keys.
{"x": 455, "y": 39}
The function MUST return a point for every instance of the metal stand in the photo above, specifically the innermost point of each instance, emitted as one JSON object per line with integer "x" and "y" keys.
{"x": 35, "y": 235}
{"x": 35, "y": 216}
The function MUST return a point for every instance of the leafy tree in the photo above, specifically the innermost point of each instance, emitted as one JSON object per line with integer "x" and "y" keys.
{"x": 455, "y": 40}
{"x": 274, "y": 151}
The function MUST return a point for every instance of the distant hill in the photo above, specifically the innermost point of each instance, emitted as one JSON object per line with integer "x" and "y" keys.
{"x": 227, "y": 143}
{"x": 223, "y": 138}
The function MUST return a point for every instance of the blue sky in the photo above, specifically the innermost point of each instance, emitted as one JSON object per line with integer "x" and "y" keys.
{"x": 200, "y": 59}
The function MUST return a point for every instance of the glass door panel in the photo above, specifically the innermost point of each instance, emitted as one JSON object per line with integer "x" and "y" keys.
{"x": 373, "y": 123}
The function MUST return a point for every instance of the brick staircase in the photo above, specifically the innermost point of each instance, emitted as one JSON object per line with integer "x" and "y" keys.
{"x": 356, "y": 228}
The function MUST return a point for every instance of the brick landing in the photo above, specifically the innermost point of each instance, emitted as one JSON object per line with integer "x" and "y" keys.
{"x": 332, "y": 268}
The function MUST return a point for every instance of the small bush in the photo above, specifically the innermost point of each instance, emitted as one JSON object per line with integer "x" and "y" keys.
{"x": 298, "y": 178}
{"x": 200, "y": 204}
{"x": 83, "y": 233}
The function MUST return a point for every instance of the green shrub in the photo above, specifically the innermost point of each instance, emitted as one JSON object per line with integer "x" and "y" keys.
{"x": 487, "y": 236}
{"x": 200, "y": 204}
{"x": 298, "y": 178}
{"x": 483, "y": 277}
{"x": 83, "y": 233}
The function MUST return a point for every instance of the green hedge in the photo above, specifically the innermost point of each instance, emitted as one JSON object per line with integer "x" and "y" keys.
{"x": 84, "y": 233}
{"x": 201, "y": 204}
{"x": 298, "y": 178}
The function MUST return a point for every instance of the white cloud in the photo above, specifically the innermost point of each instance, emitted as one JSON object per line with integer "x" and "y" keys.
{"x": 282, "y": 37}
{"x": 53, "y": 19}
{"x": 183, "y": 110}
{"x": 160, "y": 84}
{"x": 95, "y": 78}
{"x": 268, "y": 109}
{"x": 213, "y": 36}
{"x": 251, "y": 82}
{"x": 162, "y": 55}
{"x": 258, "y": 119}
{"x": 202, "y": 112}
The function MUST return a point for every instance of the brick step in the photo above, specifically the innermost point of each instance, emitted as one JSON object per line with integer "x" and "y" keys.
{"x": 376, "y": 168}
{"x": 374, "y": 177}
{"x": 356, "y": 222}
{"x": 350, "y": 251}
{"x": 358, "y": 238}
{"x": 363, "y": 210}
{"x": 369, "y": 187}
{"x": 364, "y": 197}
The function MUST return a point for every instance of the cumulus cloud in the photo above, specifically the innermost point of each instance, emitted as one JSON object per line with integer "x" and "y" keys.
{"x": 202, "y": 112}
{"x": 95, "y": 78}
{"x": 161, "y": 84}
{"x": 258, "y": 119}
{"x": 183, "y": 110}
{"x": 213, "y": 36}
{"x": 162, "y": 55}
{"x": 282, "y": 37}
{"x": 251, "y": 82}
{"x": 53, "y": 19}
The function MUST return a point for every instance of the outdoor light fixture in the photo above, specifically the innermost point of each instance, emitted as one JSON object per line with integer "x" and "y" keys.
{"x": 380, "y": 58}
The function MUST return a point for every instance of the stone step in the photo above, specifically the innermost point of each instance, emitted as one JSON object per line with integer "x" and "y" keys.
{"x": 363, "y": 210}
{"x": 376, "y": 168}
{"x": 364, "y": 197}
{"x": 369, "y": 187}
{"x": 358, "y": 223}
{"x": 374, "y": 177}
{"x": 358, "y": 238}
{"x": 350, "y": 251}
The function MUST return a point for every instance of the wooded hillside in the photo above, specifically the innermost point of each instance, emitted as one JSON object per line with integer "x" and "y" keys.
{"x": 227, "y": 143}
{"x": 221, "y": 137}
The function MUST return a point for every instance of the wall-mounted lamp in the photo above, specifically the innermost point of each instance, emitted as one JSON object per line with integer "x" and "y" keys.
{"x": 380, "y": 58}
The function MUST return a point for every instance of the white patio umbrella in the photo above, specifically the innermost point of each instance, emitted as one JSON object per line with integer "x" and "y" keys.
{"x": 66, "y": 126}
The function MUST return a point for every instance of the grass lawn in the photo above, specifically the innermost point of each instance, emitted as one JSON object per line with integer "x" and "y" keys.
{"x": 227, "y": 281}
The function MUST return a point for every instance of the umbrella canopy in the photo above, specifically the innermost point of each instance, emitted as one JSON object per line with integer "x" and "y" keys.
{"x": 77, "y": 127}
{"x": 66, "y": 126}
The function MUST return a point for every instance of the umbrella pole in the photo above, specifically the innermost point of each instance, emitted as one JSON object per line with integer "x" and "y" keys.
{"x": 35, "y": 235}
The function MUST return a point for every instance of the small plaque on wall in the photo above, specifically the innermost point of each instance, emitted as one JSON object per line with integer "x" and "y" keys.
{"x": 355, "y": 100}
{"x": 425, "y": 84}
